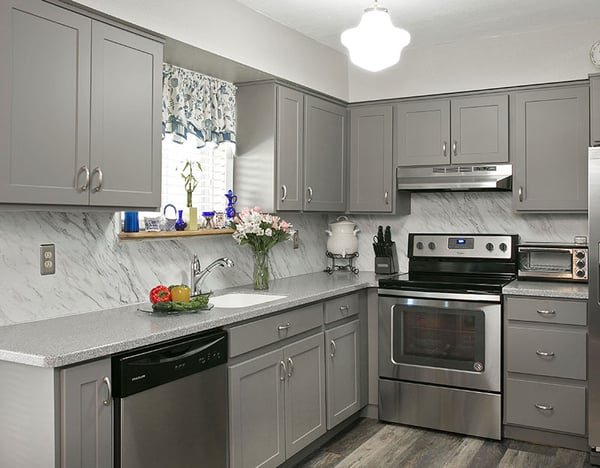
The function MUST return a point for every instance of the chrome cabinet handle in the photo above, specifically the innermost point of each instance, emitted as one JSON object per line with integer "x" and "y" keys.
{"x": 344, "y": 309}
{"x": 546, "y": 312}
{"x": 520, "y": 194}
{"x": 386, "y": 197}
{"x": 332, "y": 348}
{"x": 543, "y": 407}
{"x": 283, "y": 327}
{"x": 108, "y": 400}
{"x": 290, "y": 371}
{"x": 283, "y": 192}
{"x": 282, "y": 368}
{"x": 86, "y": 184}
{"x": 444, "y": 149}
{"x": 98, "y": 171}
{"x": 545, "y": 353}
{"x": 454, "y": 148}
{"x": 310, "y": 194}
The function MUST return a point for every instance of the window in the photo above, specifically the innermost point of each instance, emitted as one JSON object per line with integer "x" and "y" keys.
{"x": 214, "y": 180}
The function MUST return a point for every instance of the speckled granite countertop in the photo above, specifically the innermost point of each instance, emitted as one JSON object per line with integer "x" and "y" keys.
{"x": 67, "y": 340}
{"x": 547, "y": 289}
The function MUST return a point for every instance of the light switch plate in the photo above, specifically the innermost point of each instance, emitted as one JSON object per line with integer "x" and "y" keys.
{"x": 47, "y": 259}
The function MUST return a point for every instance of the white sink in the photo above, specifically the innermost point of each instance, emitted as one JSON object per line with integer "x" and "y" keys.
{"x": 234, "y": 300}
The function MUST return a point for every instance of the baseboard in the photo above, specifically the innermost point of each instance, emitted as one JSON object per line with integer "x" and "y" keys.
{"x": 370, "y": 411}
{"x": 553, "y": 439}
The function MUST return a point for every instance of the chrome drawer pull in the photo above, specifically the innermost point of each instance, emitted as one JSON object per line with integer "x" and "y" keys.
{"x": 344, "y": 309}
{"x": 283, "y": 192}
{"x": 444, "y": 149}
{"x": 386, "y": 197}
{"x": 520, "y": 194}
{"x": 86, "y": 184}
{"x": 290, "y": 371}
{"x": 108, "y": 400}
{"x": 545, "y": 353}
{"x": 309, "y": 191}
{"x": 282, "y": 368}
{"x": 98, "y": 171}
{"x": 546, "y": 312}
{"x": 543, "y": 407}
{"x": 332, "y": 347}
{"x": 283, "y": 327}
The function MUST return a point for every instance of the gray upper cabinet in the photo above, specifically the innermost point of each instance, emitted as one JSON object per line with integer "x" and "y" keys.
{"x": 371, "y": 160}
{"x": 343, "y": 372}
{"x": 86, "y": 420}
{"x": 292, "y": 158}
{"x": 469, "y": 130}
{"x": 595, "y": 109}
{"x": 125, "y": 151}
{"x": 290, "y": 148}
{"x": 94, "y": 139}
{"x": 551, "y": 137}
{"x": 324, "y": 155}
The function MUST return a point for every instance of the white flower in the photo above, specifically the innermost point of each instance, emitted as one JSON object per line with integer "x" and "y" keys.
{"x": 268, "y": 232}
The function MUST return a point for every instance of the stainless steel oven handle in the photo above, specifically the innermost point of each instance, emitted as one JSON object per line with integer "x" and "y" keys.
{"x": 545, "y": 353}
{"x": 546, "y": 312}
{"x": 475, "y": 297}
{"x": 543, "y": 407}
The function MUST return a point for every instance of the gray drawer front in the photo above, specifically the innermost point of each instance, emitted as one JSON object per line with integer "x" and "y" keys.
{"x": 569, "y": 347}
{"x": 567, "y": 402}
{"x": 341, "y": 307}
{"x": 263, "y": 332}
{"x": 546, "y": 310}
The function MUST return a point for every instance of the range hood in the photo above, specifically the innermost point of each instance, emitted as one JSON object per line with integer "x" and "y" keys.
{"x": 463, "y": 177}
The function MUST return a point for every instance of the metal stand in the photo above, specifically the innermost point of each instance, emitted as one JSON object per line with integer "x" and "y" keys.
{"x": 348, "y": 261}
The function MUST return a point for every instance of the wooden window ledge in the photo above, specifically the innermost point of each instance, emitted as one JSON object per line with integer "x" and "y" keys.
{"x": 169, "y": 234}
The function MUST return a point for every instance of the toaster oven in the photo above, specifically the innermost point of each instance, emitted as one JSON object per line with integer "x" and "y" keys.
{"x": 551, "y": 261}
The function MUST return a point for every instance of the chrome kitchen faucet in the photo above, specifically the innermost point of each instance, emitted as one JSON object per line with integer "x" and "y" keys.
{"x": 197, "y": 275}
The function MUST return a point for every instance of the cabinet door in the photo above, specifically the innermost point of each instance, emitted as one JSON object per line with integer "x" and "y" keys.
{"x": 595, "y": 109}
{"x": 479, "y": 128}
{"x": 423, "y": 133}
{"x": 86, "y": 416}
{"x": 126, "y": 118}
{"x": 371, "y": 165}
{"x": 551, "y": 140}
{"x": 44, "y": 103}
{"x": 343, "y": 369}
{"x": 256, "y": 412}
{"x": 305, "y": 418}
{"x": 324, "y": 150}
{"x": 290, "y": 148}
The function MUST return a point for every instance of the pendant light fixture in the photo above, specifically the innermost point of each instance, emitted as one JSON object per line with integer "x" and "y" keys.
{"x": 375, "y": 43}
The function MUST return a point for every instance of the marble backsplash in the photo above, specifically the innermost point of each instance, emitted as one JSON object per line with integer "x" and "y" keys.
{"x": 95, "y": 270}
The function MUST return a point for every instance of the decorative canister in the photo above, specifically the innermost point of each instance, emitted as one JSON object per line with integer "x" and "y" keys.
{"x": 342, "y": 237}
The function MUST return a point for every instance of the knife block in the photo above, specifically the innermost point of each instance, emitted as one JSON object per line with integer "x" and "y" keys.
{"x": 386, "y": 260}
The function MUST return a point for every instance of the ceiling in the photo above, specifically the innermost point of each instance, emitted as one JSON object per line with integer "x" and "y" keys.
{"x": 430, "y": 22}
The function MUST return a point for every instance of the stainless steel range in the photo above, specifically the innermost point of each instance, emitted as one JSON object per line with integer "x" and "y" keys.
{"x": 440, "y": 333}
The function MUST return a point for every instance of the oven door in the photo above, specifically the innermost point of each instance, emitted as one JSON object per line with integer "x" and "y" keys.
{"x": 454, "y": 342}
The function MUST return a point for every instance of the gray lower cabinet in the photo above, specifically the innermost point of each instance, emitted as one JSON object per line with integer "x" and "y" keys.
{"x": 595, "y": 109}
{"x": 277, "y": 403}
{"x": 94, "y": 139}
{"x": 86, "y": 416}
{"x": 324, "y": 155}
{"x": 462, "y": 130}
{"x": 551, "y": 137}
{"x": 545, "y": 366}
{"x": 343, "y": 372}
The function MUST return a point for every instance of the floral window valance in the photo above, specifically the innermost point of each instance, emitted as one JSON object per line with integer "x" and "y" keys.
{"x": 198, "y": 104}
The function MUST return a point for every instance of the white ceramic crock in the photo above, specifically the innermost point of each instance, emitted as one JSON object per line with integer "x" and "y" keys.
{"x": 342, "y": 237}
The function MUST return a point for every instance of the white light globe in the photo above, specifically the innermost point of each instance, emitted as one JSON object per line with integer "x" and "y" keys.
{"x": 375, "y": 43}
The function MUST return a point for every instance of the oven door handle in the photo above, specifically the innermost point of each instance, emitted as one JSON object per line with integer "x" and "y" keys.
{"x": 544, "y": 250}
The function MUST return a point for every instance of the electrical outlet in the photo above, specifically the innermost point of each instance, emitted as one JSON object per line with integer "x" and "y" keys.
{"x": 296, "y": 239}
{"x": 47, "y": 259}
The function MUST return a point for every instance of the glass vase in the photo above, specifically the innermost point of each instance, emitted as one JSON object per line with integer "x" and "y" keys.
{"x": 261, "y": 269}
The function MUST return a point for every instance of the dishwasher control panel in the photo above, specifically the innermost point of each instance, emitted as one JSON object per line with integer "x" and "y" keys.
{"x": 145, "y": 368}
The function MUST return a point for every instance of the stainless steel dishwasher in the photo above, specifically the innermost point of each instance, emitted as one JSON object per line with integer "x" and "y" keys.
{"x": 171, "y": 404}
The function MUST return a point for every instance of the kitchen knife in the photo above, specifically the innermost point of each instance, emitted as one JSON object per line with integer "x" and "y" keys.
{"x": 380, "y": 234}
{"x": 387, "y": 236}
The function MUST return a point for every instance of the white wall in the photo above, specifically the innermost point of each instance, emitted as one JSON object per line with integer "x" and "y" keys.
{"x": 528, "y": 58}
{"x": 233, "y": 31}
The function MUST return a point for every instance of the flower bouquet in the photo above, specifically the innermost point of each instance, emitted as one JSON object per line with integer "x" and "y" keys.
{"x": 261, "y": 231}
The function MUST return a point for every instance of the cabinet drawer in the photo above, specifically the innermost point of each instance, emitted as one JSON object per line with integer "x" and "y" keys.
{"x": 565, "y": 405}
{"x": 263, "y": 332}
{"x": 341, "y": 307}
{"x": 546, "y": 310}
{"x": 526, "y": 347}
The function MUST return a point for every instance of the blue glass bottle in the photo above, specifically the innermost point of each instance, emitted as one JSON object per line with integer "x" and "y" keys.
{"x": 231, "y": 200}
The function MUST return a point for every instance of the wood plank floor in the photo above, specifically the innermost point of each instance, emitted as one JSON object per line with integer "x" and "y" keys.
{"x": 372, "y": 444}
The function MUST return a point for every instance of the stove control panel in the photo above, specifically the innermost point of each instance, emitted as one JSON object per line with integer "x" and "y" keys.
{"x": 462, "y": 245}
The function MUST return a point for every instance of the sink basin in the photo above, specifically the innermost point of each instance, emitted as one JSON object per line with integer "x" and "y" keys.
{"x": 234, "y": 300}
